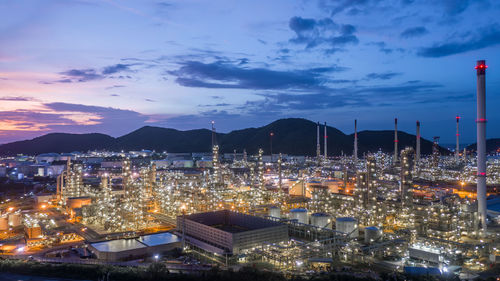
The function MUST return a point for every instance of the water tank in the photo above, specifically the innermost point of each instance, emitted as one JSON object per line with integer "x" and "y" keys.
{"x": 347, "y": 225}
{"x": 372, "y": 233}
{"x": 15, "y": 219}
{"x": 299, "y": 214}
{"x": 4, "y": 223}
{"x": 275, "y": 212}
{"x": 320, "y": 220}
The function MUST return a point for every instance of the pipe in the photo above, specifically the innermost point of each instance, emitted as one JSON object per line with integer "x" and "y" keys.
{"x": 326, "y": 143}
{"x": 318, "y": 148}
{"x": 395, "y": 140}
{"x": 355, "y": 140}
{"x": 457, "y": 149}
{"x": 417, "y": 155}
{"x": 481, "y": 141}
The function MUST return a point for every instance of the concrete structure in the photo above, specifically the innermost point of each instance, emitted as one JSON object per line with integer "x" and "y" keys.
{"x": 15, "y": 219}
{"x": 4, "y": 223}
{"x": 426, "y": 254}
{"x": 481, "y": 141}
{"x": 320, "y": 220}
{"x": 457, "y": 148}
{"x": 126, "y": 249}
{"x": 275, "y": 212}
{"x": 347, "y": 225}
{"x": 226, "y": 233}
{"x": 372, "y": 234}
{"x": 299, "y": 214}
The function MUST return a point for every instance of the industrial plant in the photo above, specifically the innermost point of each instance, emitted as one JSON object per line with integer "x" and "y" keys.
{"x": 402, "y": 212}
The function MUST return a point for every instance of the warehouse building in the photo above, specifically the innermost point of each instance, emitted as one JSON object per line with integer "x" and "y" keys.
{"x": 228, "y": 233}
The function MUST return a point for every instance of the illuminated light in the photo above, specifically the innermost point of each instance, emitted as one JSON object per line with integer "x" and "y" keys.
{"x": 481, "y": 120}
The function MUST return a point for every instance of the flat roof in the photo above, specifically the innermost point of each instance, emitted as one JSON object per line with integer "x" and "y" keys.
{"x": 118, "y": 245}
{"x": 159, "y": 239}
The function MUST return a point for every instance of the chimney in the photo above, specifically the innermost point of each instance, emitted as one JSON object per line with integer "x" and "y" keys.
{"x": 326, "y": 143}
{"x": 318, "y": 148}
{"x": 481, "y": 141}
{"x": 395, "y": 140}
{"x": 355, "y": 140}
{"x": 417, "y": 155}
{"x": 457, "y": 149}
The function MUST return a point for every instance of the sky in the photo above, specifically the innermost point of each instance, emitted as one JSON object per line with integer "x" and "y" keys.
{"x": 112, "y": 66}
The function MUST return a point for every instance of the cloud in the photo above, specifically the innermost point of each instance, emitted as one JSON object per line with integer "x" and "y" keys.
{"x": 338, "y": 6}
{"x": 81, "y": 75}
{"x": 226, "y": 75}
{"x": 18, "y": 98}
{"x": 92, "y": 74}
{"x": 382, "y": 47}
{"x": 382, "y": 76}
{"x": 116, "y": 68}
{"x": 313, "y": 33}
{"x": 485, "y": 37}
{"x": 414, "y": 32}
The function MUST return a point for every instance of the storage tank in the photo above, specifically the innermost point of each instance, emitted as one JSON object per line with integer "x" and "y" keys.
{"x": 15, "y": 219}
{"x": 320, "y": 220}
{"x": 372, "y": 233}
{"x": 347, "y": 225}
{"x": 299, "y": 214}
{"x": 275, "y": 212}
{"x": 4, "y": 223}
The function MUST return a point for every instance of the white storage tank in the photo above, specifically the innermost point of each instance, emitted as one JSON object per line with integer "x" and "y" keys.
{"x": 347, "y": 225}
{"x": 320, "y": 220}
{"x": 275, "y": 212}
{"x": 372, "y": 234}
{"x": 4, "y": 223}
{"x": 15, "y": 219}
{"x": 299, "y": 214}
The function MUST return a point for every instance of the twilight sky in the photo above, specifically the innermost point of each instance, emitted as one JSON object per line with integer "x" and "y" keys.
{"x": 112, "y": 66}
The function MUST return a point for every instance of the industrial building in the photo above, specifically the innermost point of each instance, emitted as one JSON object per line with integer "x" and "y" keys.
{"x": 227, "y": 233}
{"x": 127, "y": 249}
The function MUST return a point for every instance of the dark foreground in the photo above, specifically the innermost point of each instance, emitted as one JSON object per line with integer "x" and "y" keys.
{"x": 35, "y": 271}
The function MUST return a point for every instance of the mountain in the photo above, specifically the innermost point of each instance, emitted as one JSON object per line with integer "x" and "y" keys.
{"x": 294, "y": 136}
{"x": 372, "y": 141}
{"x": 163, "y": 139}
{"x": 58, "y": 142}
{"x": 492, "y": 145}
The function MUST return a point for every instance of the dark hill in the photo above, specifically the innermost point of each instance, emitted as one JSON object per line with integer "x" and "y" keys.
{"x": 163, "y": 139}
{"x": 58, "y": 142}
{"x": 372, "y": 141}
{"x": 492, "y": 145}
{"x": 292, "y": 136}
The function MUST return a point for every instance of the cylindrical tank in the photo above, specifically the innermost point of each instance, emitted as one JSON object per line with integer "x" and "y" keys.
{"x": 299, "y": 214}
{"x": 275, "y": 212}
{"x": 372, "y": 233}
{"x": 4, "y": 223}
{"x": 347, "y": 225}
{"x": 15, "y": 219}
{"x": 320, "y": 220}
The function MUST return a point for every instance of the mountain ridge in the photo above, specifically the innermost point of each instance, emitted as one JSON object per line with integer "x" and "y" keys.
{"x": 293, "y": 136}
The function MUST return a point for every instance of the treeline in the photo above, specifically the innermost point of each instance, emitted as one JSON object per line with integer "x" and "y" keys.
{"x": 158, "y": 271}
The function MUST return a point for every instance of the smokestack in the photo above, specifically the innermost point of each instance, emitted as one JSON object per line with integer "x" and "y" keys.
{"x": 214, "y": 140}
{"x": 481, "y": 141}
{"x": 457, "y": 149}
{"x": 395, "y": 140}
{"x": 355, "y": 140}
{"x": 326, "y": 143}
{"x": 318, "y": 148}
{"x": 417, "y": 155}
